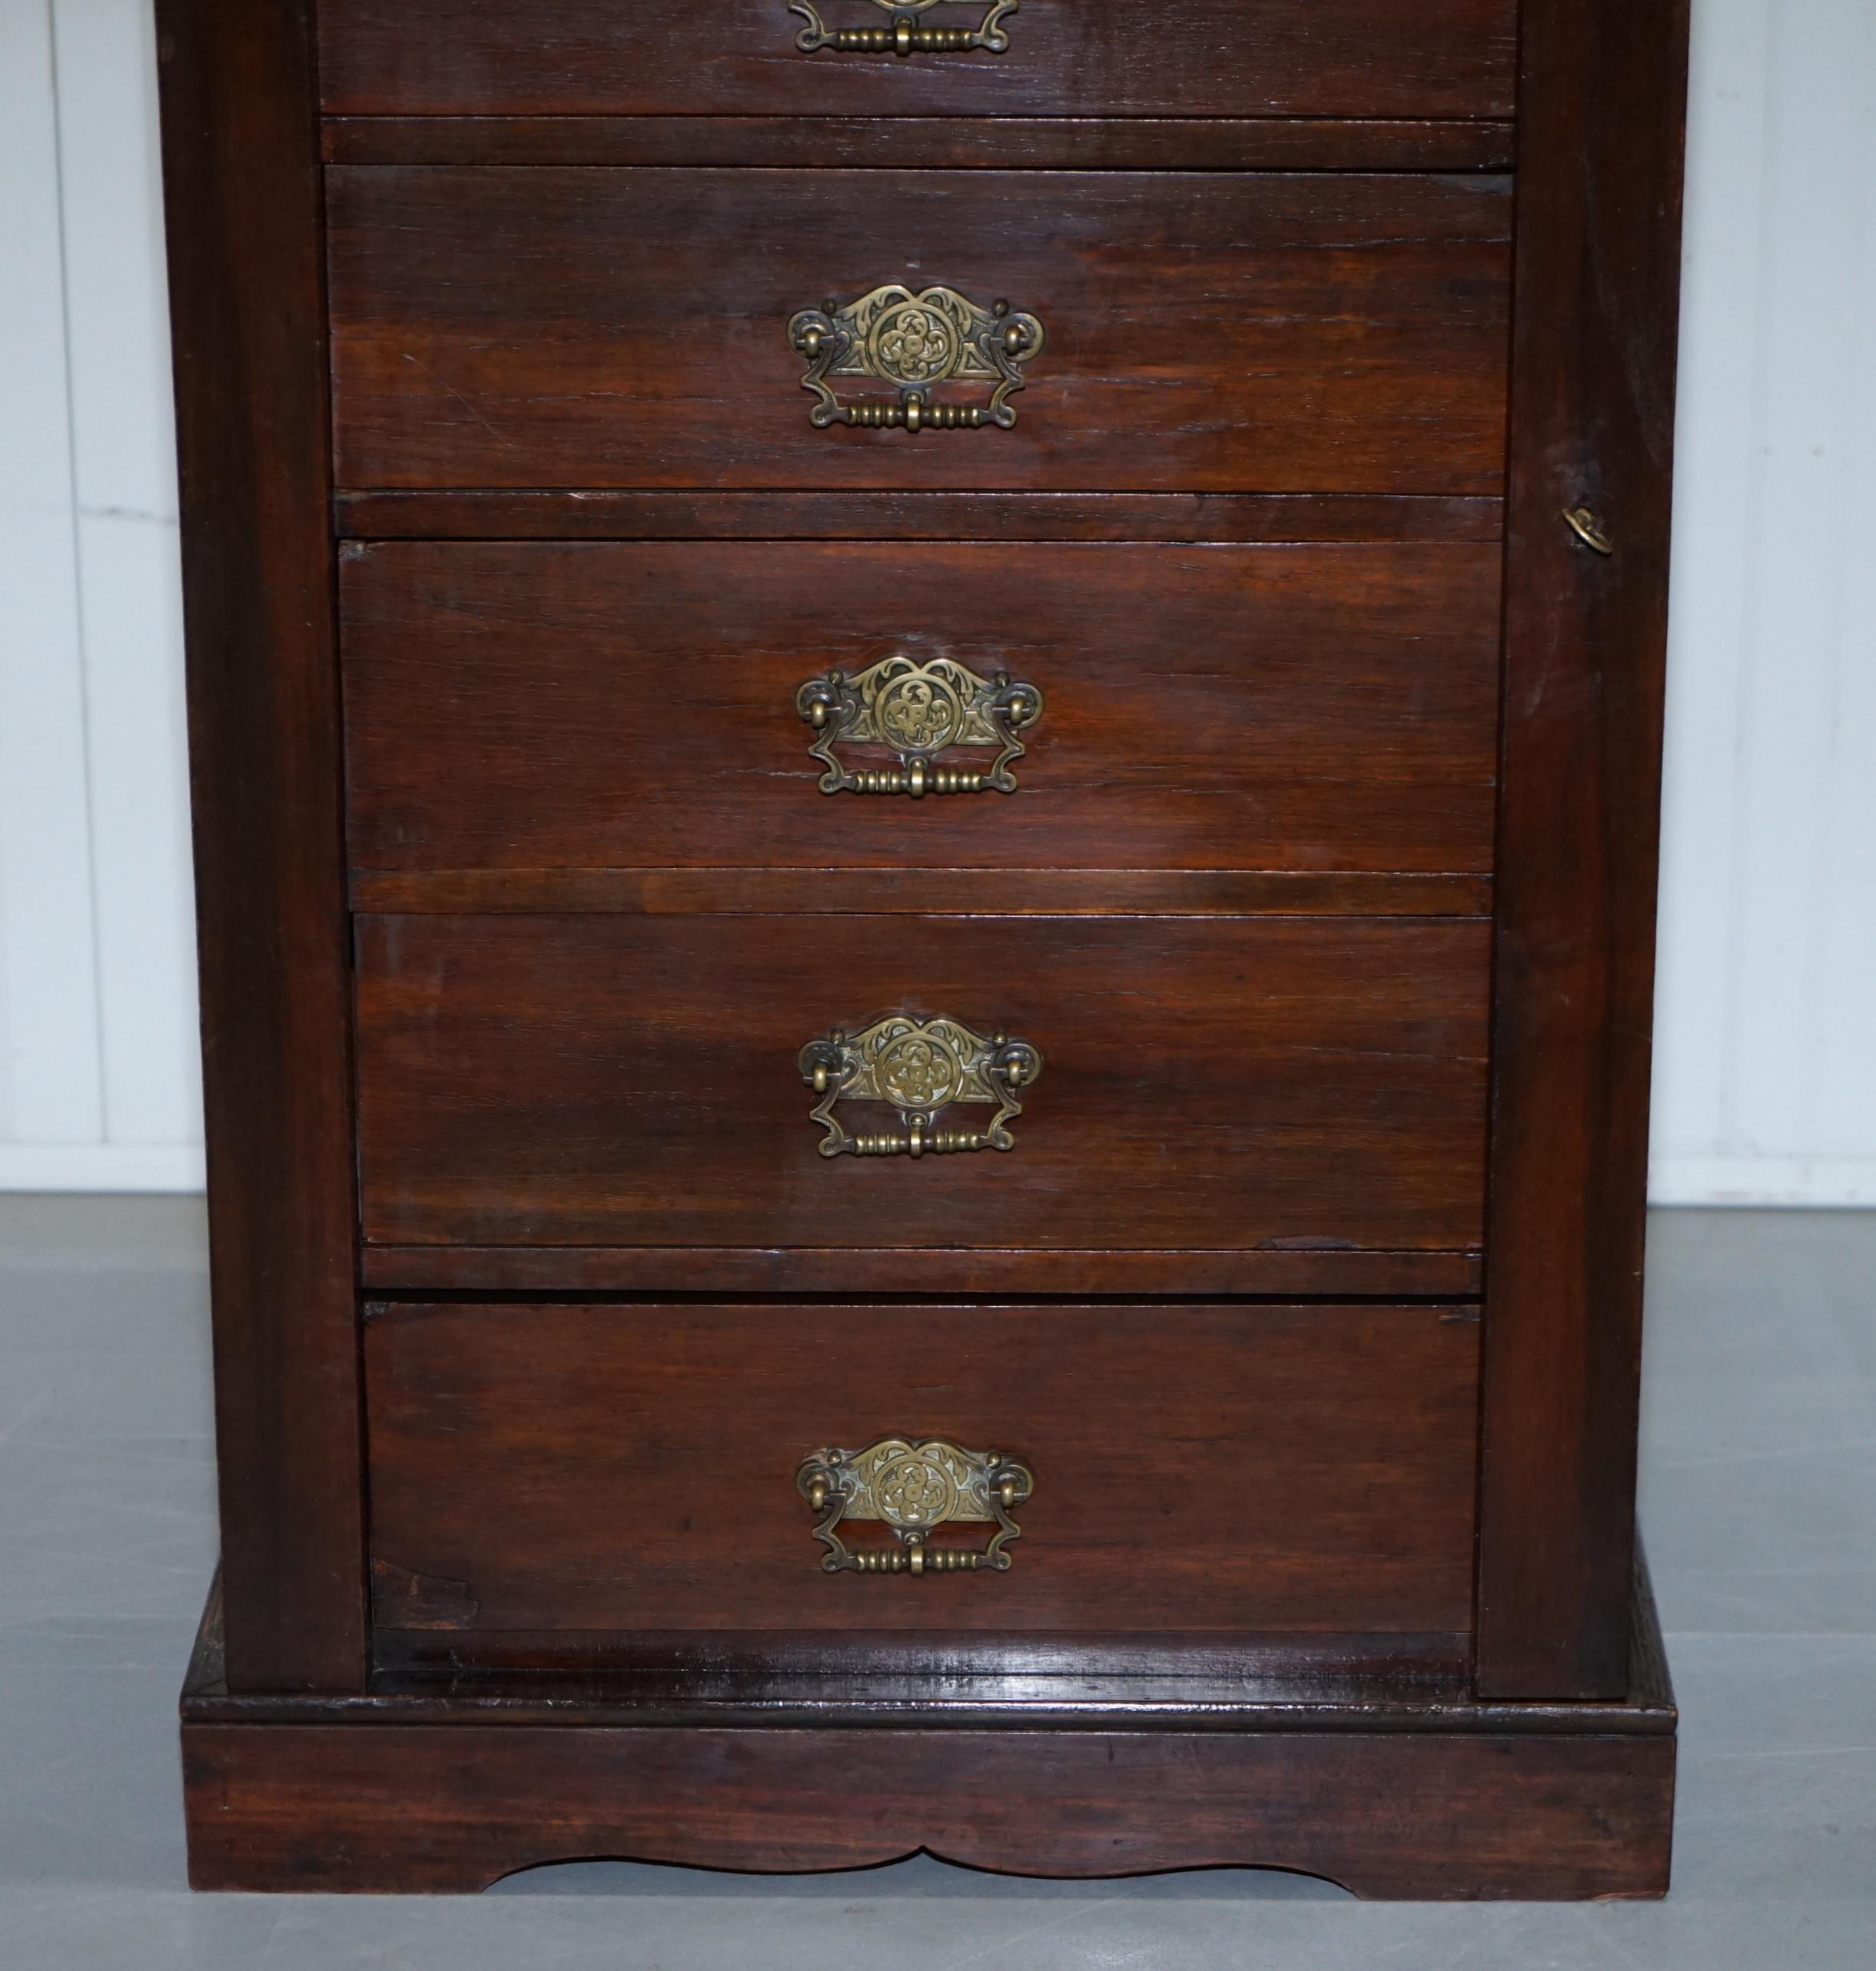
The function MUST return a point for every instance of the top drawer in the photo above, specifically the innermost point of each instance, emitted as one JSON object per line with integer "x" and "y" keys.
{"x": 1353, "y": 58}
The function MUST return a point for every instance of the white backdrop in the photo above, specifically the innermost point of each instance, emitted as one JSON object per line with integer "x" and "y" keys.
{"x": 1766, "y": 1085}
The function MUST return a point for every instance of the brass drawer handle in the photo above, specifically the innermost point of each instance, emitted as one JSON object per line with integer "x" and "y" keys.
{"x": 908, "y": 34}
{"x": 920, "y": 1067}
{"x": 915, "y": 1487}
{"x": 916, "y": 341}
{"x": 920, "y": 710}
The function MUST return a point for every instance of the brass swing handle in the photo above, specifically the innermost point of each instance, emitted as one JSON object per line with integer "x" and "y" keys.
{"x": 920, "y": 710}
{"x": 916, "y": 342}
{"x": 919, "y": 1067}
{"x": 908, "y": 34}
{"x": 914, "y": 1488}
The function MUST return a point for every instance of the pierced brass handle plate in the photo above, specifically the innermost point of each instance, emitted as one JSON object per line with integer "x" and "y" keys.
{"x": 909, "y": 33}
{"x": 916, "y": 341}
{"x": 914, "y": 1488}
{"x": 919, "y": 1067}
{"x": 920, "y": 710}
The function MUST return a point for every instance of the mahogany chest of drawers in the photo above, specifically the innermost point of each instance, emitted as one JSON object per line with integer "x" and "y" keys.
{"x": 926, "y": 742}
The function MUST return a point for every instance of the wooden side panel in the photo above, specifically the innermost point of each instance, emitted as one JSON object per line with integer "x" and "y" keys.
{"x": 1209, "y": 332}
{"x": 632, "y": 1469}
{"x": 633, "y": 706}
{"x": 243, "y": 191}
{"x": 1306, "y": 1084}
{"x": 1065, "y": 57}
{"x": 1592, "y": 422}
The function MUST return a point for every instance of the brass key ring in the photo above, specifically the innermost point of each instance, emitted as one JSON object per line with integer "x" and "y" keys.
{"x": 1588, "y": 529}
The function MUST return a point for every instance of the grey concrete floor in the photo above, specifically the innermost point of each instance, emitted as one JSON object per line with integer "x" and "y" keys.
{"x": 1760, "y": 1510}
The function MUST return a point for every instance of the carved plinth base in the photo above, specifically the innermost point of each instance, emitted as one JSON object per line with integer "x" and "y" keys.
{"x": 1401, "y": 1797}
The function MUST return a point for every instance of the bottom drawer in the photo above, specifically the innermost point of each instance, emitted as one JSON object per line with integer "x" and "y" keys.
{"x": 610, "y": 1479}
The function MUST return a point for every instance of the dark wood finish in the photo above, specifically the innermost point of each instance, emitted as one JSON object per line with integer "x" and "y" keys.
{"x": 977, "y": 1270}
{"x": 608, "y": 1468}
{"x": 924, "y": 517}
{"x": 951, "y": 143}
{"x": 1394, "y": 1815}
{"x": 405, "y": 1810}
{"x": 1390, "y": 1790}
{"x": 1304, "y": 1701}
{"x": 608, "y": 706}
{"x": 1296, "y": 1006}
{"x": 1386, "y": 1788}
{"x": 1348, "y": 59}
{"x": 1344, "y": 1683}
{"x": 1209, "y": 332}
{"x": 1593, "y": 420}
{"x": 244, "y": 190}
{"x": 790, "y": 1676}
{"x": 616, "y": 1081}
{"x": 826, "y": 892}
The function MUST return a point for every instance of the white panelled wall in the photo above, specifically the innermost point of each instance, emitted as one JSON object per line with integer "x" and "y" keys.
{"x": 1765, "y": 1079}
{"x": 1766, "y": 1083}
{"x": 98, "y": 1071}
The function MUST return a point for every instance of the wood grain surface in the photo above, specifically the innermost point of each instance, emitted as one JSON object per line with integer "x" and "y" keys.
{"x": 511, "y": 322}
{"x": 832, "y": 891}
{"x": 1270, "y": 1271}
{"x": 1254, "y": 518}
{"x": 929, "y": 143}
{"x": 1183, "y": 58}
{"x": 1393, "y": 1785}
{"x": 1298, "y": 1084}
{"x": 631, "y": 707}
{"x": 629, "y": 1468}
{"x": 253, "y": 440}
{"x": 1230, "y": 331}
{"x": 1598, "y": 271}
{"x": 450, "y": 1809}
{"x": 1209, "y": 1681}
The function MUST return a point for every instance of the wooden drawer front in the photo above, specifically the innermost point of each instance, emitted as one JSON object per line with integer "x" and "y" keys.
{"x": 633, "y": 1469}
{"x": 544, "y": 328}
{"x": 632, "y": 1081}
{"x": 1065, "y": 57}
{"x": 541, "y": 707}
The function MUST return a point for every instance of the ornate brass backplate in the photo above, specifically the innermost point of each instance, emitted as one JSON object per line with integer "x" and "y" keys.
{"x": 920, "y": 1067}
{"x": 914, "y": 1486}
{"x": 920, "y": 710}
{"x": 916, "y": 341}
{"x": 909, "y": 33}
